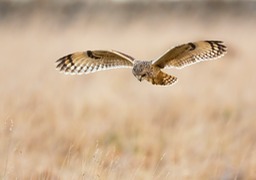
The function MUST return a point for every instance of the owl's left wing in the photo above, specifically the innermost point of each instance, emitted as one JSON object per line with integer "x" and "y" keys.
{"x": 93, "y": 61}
{"x": 190, "y": 53}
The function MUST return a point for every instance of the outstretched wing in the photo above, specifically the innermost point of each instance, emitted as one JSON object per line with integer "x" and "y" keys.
{"x": 93, "y": 61}
{"x": 187, "y": 54}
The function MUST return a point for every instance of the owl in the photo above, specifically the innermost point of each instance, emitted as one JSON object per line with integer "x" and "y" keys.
{"x": 178, "y": 57}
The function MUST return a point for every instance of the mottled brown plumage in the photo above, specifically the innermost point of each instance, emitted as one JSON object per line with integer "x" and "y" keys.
{"x": 178, "y": 57}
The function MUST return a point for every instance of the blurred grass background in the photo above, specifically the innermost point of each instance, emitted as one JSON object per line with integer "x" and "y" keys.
{"x": 108, "y": 125}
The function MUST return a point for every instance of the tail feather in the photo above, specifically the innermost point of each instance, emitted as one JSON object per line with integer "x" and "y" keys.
{"x": 164, "y": 79}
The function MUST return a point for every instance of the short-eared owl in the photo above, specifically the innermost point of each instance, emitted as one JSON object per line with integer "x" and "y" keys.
{"x": 178, "y": 57}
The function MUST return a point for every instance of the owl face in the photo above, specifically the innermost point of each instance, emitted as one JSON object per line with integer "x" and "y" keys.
{"x": 141, "y": 70}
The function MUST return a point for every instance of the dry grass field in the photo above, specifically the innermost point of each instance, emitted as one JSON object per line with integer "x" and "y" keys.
{"x": 108, "y": 125}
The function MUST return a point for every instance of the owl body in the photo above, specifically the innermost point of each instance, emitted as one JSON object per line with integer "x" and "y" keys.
{"x": 151, "y": 71}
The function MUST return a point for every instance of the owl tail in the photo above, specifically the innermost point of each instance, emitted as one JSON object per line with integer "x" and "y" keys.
{"x": 164, "y": 79}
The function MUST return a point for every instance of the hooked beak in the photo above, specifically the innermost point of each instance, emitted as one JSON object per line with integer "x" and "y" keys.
{"x": 140, "y": 78}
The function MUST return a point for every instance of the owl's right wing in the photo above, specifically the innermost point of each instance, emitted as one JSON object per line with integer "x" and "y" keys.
{"x": 190, "y": 53}
{"x": 93, "y": 61}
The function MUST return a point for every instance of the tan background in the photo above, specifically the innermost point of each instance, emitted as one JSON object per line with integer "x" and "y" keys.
{"x": 108, "y": 125}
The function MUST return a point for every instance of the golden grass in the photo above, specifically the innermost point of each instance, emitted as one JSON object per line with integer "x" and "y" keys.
{"x": 108, "y": 125}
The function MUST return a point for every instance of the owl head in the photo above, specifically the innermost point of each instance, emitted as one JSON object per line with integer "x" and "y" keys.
{"x": 141, "y": 70}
